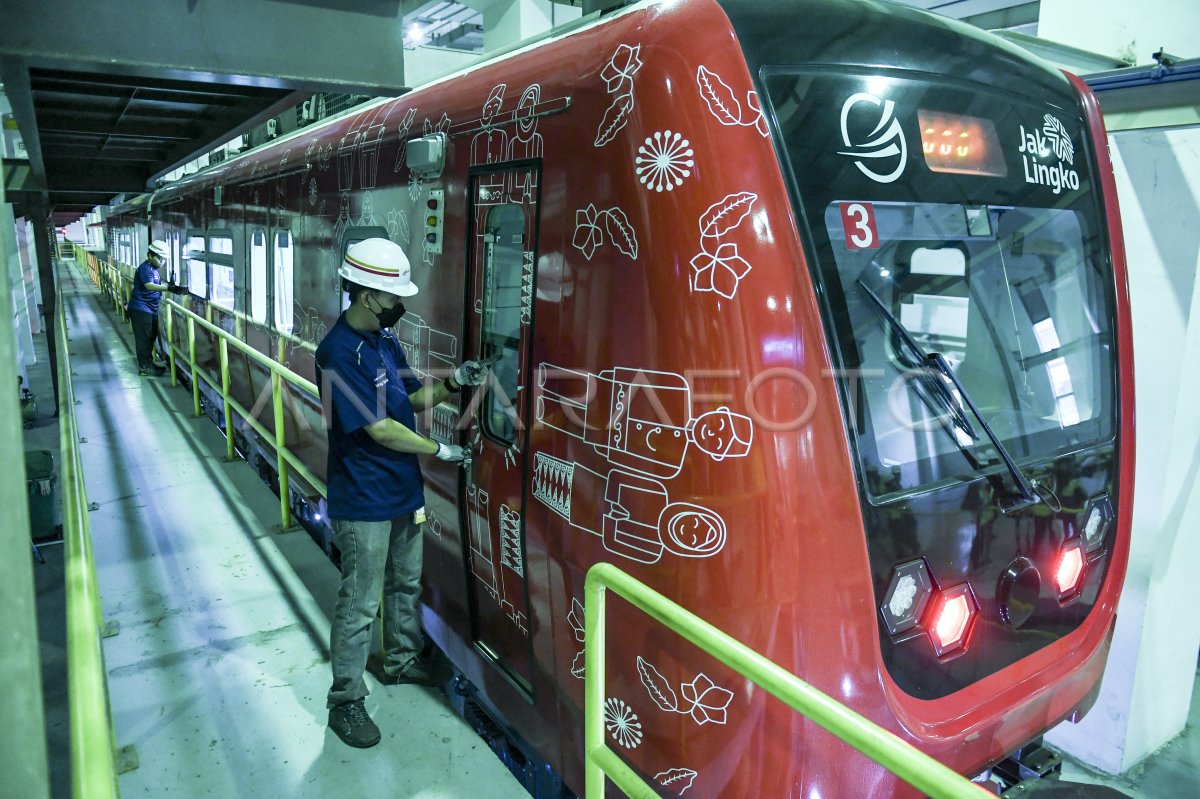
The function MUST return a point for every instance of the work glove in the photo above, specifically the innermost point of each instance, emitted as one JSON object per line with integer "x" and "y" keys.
{"x": 176, "y": 289}
{"x": 452, "y": 453}
{"x": 472, "y": 373}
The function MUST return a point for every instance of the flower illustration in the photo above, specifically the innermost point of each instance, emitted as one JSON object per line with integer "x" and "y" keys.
{"x": 312, "y": 191}
{"x": 575, "y": 619}
{"x": 588, "y": 235}
{"x": 664, "y": 161}
{"x": 708, "y": 700}
{"x": 414, "y": 186}
{"x": 623, "y": 724}
{"x": 719, "y": 271}
{"x": 621, "y": 67}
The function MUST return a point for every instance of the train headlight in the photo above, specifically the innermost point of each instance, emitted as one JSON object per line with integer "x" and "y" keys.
{"x": 906, "y": 597}
{"x": 1068, "y": 572}
{"x": 1097, "y": 521}
{"x": 951, "y": 618}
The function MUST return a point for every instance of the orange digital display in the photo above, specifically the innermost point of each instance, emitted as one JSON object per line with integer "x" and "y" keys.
{"x": 961, "y": 144}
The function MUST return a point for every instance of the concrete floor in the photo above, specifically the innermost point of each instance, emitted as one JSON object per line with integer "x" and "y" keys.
{"x": 218, "y": 675}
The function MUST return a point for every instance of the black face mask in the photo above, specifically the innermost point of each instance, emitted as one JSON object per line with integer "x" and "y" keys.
{"x": 388, "y": 316}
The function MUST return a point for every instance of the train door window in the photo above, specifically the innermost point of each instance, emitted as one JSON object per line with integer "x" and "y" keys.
{"x": 258, "y": 276}
{"x": 284, "y": 258}
{"x": 220, "y": 264}
{"x": 504, "y": 269}
{"x": 197, "y": 270}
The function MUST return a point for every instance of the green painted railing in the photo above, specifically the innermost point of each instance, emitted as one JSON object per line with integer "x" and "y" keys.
{"x": 115, "y": 286}
{"x": 93, "y": 754}
{"x": 911, "y": 765}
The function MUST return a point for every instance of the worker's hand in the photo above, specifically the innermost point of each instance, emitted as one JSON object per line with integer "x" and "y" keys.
{"x": 451, "y": 453}
{"x": 176, "y": 289}
{"x": 471, "y": 373}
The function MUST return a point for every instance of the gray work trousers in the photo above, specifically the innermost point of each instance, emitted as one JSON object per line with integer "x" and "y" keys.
{"x": 376, "y": 556}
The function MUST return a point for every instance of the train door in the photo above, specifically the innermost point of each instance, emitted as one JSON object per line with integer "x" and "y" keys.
{"x": 504, "y": 216}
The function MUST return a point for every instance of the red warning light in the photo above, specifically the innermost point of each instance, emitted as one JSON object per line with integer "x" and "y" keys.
{"x": 951, "y": 618}
{"x": 1069, "y": 569}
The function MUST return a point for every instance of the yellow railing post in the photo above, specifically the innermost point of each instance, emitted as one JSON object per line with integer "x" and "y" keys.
{"x": 229, "y": 453}
{"x": 192, "y": 364}
{"x": 285, "y": 506}
{"x": 888, "y": 750}
{"x": 171, "y": 344}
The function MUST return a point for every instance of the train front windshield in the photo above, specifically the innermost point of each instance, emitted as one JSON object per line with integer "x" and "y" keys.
{"x": 949, "y": 219}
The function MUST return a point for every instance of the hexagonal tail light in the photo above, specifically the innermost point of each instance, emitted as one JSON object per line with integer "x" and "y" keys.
{"x": 950, "y": 619}
{"x": 1068, "y": 571}
{"x": 906, "y": 597}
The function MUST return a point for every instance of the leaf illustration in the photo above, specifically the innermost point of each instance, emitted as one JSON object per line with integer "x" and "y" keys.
{"x": 723, "y": 216}
{"x": 659, "y": 689}
{"x": 620, "y": 232}
{"x": 677, "y": 779}
{"x": 614, "y": 119}
{"x": 719, "y": 97}
{"x": 577, "y": 665}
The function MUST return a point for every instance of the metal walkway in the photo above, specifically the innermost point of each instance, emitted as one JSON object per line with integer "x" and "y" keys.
{"x": 219, "y": 673}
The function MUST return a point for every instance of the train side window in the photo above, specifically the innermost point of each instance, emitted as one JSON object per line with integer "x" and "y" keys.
{"x": 258, "y": 276}
{"x": 284, "y": 258}
{"x": 220, "y": 262}
{"x": 504, "y": 266}
{"x": 197, "y": 271}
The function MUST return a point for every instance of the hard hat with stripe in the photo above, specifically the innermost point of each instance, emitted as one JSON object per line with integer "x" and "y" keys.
{"x": 378, "y": 264}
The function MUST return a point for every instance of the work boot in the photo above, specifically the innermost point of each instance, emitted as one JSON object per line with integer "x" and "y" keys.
{"x": 350, "y": 722}
{"x": 156, "y": 370}
{"x": 418, "y": 672}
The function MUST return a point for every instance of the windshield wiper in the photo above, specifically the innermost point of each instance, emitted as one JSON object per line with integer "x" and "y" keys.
{"x": 952, "y": 399}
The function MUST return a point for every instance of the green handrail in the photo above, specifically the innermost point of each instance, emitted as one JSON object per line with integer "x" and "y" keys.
{"x": 116, "y": 285}
{"x": 93, "y": 755}
{"x": 910, "y": 764}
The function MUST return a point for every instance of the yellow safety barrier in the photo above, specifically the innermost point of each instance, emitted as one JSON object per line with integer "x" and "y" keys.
{"x": 93, "y": 754}
{"x": 913, "y": 766}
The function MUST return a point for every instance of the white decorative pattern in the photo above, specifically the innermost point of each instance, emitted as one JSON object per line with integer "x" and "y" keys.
{"x": 705, "y": 701}
{"x": 589, "y": 235}
{"x": 664, "y": 160}
{"x": 718, "y": 267}
{"x": 618, "y": 79}
{"x": 622, "y": 724}
{"x": 676, "y": 779}
{"x": 723, "y": 103}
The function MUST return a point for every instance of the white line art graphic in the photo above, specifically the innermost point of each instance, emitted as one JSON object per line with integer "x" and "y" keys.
{"x": 433, "y": 524}
{"x": 490, "y": 145}
{"x": 402, "y": 134}
{"x": 705, "y": 701}
{"x": 633, "y": 515}
{"x": 445, "y": 420}
{"x": 367, "y": 217}
{"x": 397, "y": 226}
{"x": 510, "y": 540}
{"x": 526, "y": 286}
{"x": 664, "y": 160}
{"x": 590, "y": 226}
{"x": 361, "y": 142}
{"x": 718, "y": 267}
{"x": 575, "y": 619}
{"x": 618, "y": 79}
{"x": 441, "y": 126}
{"x": 339, "y": 228}
{"x": 724, "y": 105}
{"x": 480, "y": 530}
{"x": 430, "y": 353}
{"x": 525, "y": 143}
{"x": 676, "y": 779}
{"x": 638, "y": 419}
{"x": 622, "y": 723}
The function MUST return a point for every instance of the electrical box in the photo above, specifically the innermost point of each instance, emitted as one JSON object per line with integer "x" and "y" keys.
{"x": 435, "y": 212}
{"x": 426, "y": 156}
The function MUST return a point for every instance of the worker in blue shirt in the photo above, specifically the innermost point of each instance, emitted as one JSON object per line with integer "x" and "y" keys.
{"x": 375, "y": 492}
{"x": 143, "y": 307}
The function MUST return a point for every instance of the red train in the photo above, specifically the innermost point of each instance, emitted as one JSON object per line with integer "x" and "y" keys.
{"x": 812, "y": 315}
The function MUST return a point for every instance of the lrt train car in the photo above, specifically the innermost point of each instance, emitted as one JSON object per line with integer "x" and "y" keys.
{"x": 812, "y": 315}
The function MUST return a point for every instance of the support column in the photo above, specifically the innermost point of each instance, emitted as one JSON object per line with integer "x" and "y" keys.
{"x": 42, "y": 229}
{"x": 1148, "y": 685}
{"x": 23, "y": 755}
{"x": 506, "y": 22}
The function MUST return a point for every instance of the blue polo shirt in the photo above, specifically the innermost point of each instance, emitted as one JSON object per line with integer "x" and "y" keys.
{"x": 141, "y": 298}
{"x": 362, "y": 378}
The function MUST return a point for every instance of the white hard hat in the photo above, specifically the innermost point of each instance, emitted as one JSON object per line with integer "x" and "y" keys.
{"x": 378, "y": 264}
{"x": 159, "y": 248}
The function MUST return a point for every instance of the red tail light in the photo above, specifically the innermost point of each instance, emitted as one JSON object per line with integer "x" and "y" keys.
{"x": 1069, "y": 570}
{"x": 951, "y": 618}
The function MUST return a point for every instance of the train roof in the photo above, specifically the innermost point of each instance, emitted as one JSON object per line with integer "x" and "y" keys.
{"x": 883, "y": 35}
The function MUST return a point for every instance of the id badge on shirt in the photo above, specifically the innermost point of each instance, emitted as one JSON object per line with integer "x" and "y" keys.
{"x": 419, "y": 515}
